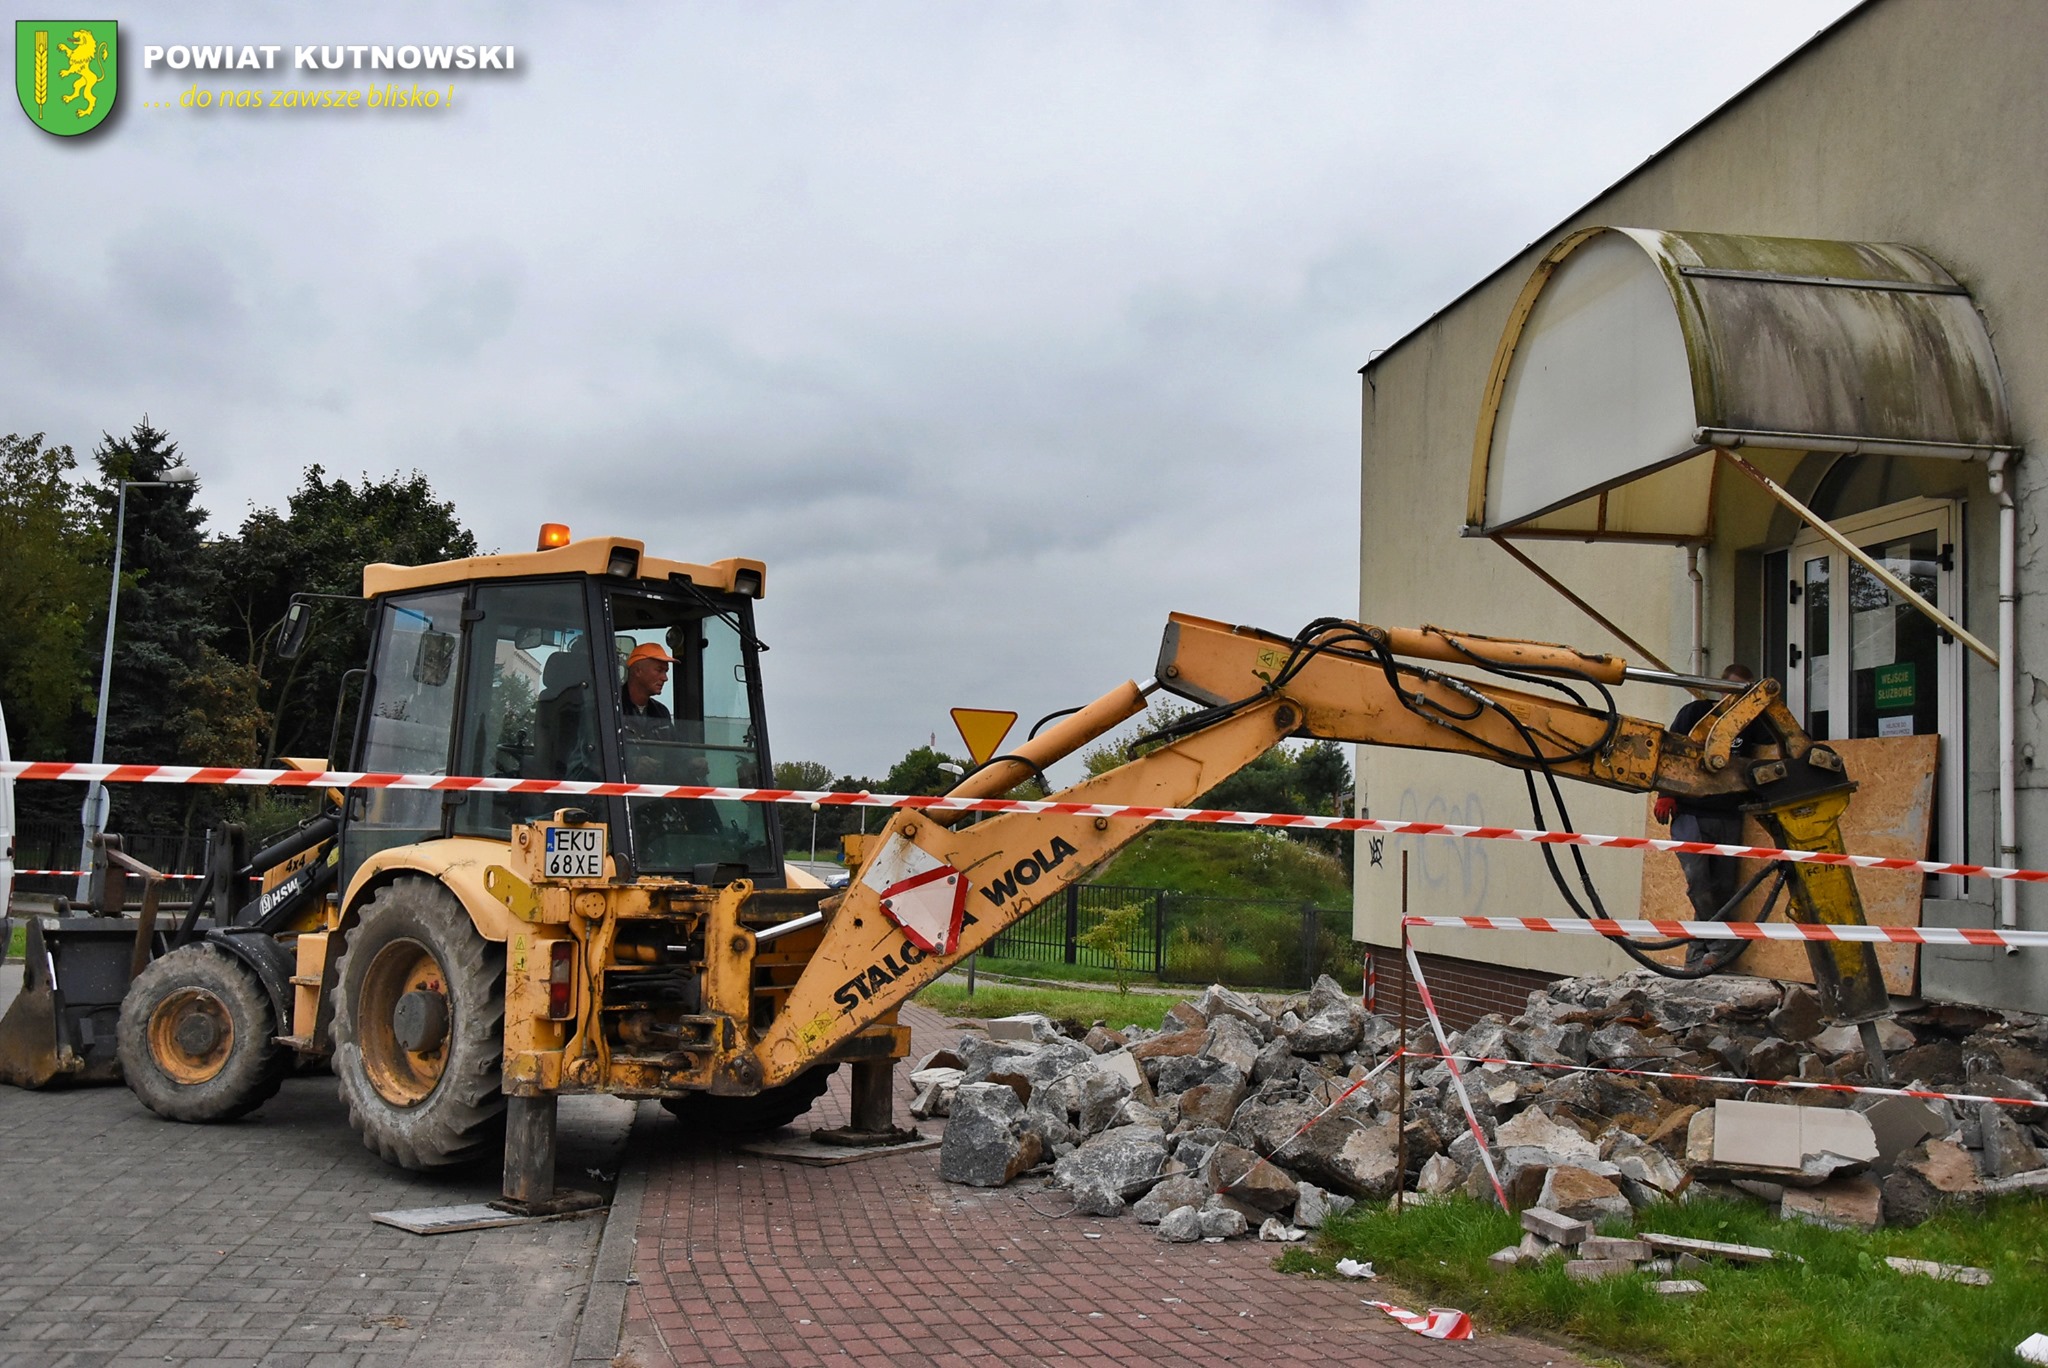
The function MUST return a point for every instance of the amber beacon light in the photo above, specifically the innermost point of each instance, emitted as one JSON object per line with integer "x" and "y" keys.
{"x": 553, "y": 535}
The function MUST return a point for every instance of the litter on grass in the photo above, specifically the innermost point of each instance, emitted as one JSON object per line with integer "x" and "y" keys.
{"x": 1438, "y": 1322}
{"x": 1352, "y": 1268}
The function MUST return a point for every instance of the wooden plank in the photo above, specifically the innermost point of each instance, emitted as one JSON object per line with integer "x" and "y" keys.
{"x": 1890, "y": 814}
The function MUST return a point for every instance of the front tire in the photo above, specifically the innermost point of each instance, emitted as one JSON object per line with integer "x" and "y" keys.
{"x": 197, "y": 1038}
{"x": 738, "y": 1117}
{"x": 419, "y": 1024}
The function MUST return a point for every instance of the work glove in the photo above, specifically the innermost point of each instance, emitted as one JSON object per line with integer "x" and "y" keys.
{"x": 1663, "y": 808}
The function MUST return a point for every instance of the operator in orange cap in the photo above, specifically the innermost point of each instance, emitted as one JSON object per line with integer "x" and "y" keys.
{"x": 640, "y": 705}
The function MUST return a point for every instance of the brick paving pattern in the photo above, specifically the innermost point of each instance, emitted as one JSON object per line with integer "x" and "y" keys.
{"x": 756, "y": 1261}
{"x": 128, "y": 1240}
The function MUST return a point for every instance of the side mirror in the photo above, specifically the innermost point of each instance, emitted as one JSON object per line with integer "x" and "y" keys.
{"x": 298, "y": 620}
{"x": 435, "y": 660}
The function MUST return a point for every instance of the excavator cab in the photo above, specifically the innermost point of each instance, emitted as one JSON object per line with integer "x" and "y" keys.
{"x": 527, "y": 678}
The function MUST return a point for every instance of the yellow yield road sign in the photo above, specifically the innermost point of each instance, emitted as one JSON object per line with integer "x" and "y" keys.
{"x": 983, "y": 730}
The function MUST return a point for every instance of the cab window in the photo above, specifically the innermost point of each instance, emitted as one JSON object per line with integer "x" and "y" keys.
{"x": 686, "y": 717}
{"x": 530, "y": 707}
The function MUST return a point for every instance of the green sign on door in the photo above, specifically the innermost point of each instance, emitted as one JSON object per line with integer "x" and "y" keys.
{"x": 1896, "y": 687}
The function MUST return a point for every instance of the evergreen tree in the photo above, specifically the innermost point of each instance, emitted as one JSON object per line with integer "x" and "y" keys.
{"x": 161, "y": 632}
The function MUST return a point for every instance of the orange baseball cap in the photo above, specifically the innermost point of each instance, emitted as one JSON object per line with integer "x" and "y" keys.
{"x": 648, "y": 651}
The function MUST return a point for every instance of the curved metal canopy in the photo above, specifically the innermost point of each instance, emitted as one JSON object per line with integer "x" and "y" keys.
{"x": 1633, "y": 351}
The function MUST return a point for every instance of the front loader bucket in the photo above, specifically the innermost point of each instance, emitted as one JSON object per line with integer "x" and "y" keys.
{"x": 28, "y": 1040}
{"x": 61, "y": 1027}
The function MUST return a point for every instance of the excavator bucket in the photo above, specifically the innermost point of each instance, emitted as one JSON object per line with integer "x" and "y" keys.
{"x": 61, "y": 1027}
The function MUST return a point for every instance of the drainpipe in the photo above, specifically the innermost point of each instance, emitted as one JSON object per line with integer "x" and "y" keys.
{"x": 1699, "y": 609}
{"x": 2008, "y": 595}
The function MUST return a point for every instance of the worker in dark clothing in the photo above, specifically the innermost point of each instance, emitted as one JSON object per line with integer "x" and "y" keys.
{"x": 640, "y": 705}
{"x": 1710, "y": 880}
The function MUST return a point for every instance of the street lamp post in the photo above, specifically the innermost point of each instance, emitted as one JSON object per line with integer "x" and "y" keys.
{"x": 94, "y": 817}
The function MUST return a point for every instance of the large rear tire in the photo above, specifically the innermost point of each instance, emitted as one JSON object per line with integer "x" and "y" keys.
{"x": 198, "y": 1037}
{"x": 419, "y": 1024}
{"x": 737, "y": 1117}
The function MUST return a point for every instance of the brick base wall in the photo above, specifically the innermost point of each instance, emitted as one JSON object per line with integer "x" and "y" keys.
{"x": 1463, "y": 990}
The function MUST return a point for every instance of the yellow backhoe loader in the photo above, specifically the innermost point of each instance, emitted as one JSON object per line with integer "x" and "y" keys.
{"x": 464, "y": 958}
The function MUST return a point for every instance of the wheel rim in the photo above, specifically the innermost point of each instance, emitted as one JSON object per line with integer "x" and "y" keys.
{"x": 191, "y": 1036}
{"x": 401, "y": 1077}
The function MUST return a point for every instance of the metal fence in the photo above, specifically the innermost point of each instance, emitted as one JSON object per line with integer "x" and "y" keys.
{"x": 54, "y": 845}
{"x": 1188, "y": 937}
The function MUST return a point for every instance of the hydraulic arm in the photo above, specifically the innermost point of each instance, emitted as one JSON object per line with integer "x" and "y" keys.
{"x": 931, "y": 893}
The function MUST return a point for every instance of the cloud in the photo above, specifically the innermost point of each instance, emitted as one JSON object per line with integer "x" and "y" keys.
{"x": 997, "y": 330}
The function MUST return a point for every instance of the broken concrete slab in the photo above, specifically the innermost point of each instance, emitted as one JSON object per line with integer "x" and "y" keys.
{"x": 1023, "y": 1026}
{"x": 1220, "y": 1222}
{"x": 1850, "y": 1203}
{"x": 1678, "y": 1287}
{"x": 1239, "y": 1173}
{"x": 1582, "y": 1194}
{"x": 2037, "y": 1181}
{"x": 2007, "y": 1148}
{"x": 1899, "y": 1123}
{"x": 1229, "y": 1041}
{"x": 1122, "y": 1160}
{"x": 1217, "y": 1000}
{"x": 1171, "y": 1045}
{"x": 1715, "y": 1249}
{"x": 1276, "y": 1231}
{"x": 1182, "y": 1225}
{"x": 987, "y": 1142}
{"x": 1927, "y": 1179}
{"x": 1941, "y": 1272}
{"x": 1534, "y": 1129}
{"x": 1787, "y": 1143}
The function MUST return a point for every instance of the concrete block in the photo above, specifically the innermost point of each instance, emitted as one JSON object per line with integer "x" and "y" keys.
{"x": 1554, "y": 1226}
{"x": 1606, "y": 1247}
{"x": 1592, "y": 1270}
{"x": 1678, "y": 1287}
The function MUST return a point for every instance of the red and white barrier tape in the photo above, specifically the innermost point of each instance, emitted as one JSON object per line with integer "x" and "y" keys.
{"x": 1777, "y": 931}
{"x": 1799, "y": 1084}
{"x": 1457, "y": 1076}
{"x": 353, "y": 779}
{"x": 1439, "y": 1322}
{"x": 75, "y": 873}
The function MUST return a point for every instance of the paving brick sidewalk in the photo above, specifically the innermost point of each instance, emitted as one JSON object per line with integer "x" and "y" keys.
{"x": 748, "y": 1260}
{"x": 129, "y": 1240}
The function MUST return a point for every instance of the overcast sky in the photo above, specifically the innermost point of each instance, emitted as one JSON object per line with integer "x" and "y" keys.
{"x": 999, "y": 330}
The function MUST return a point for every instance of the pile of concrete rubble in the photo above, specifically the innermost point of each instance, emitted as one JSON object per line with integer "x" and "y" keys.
{"x": 1220, "y": 1123}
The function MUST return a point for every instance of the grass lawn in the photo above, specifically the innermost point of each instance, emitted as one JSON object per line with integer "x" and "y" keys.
{"x": 949, "y": 995}
{"x": 1842, "y": 1308}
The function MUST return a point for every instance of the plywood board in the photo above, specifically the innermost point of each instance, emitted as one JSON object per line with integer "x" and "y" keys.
{"x": 1889, "y": 815}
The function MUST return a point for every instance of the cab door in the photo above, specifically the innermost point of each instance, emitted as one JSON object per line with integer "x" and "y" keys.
{"x": 407, "y": 722}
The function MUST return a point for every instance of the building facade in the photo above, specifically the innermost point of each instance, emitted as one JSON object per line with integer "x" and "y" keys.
{"x": 1909, "y": 124}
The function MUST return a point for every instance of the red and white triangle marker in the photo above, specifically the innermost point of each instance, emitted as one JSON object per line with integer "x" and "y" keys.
{"x": 921, "y": 893}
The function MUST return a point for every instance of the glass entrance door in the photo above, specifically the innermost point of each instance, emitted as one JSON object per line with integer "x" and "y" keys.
{"x": 1867, "y": 663}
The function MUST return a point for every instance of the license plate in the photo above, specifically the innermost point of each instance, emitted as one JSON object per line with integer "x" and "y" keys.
{"x": 575, "y": 852}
